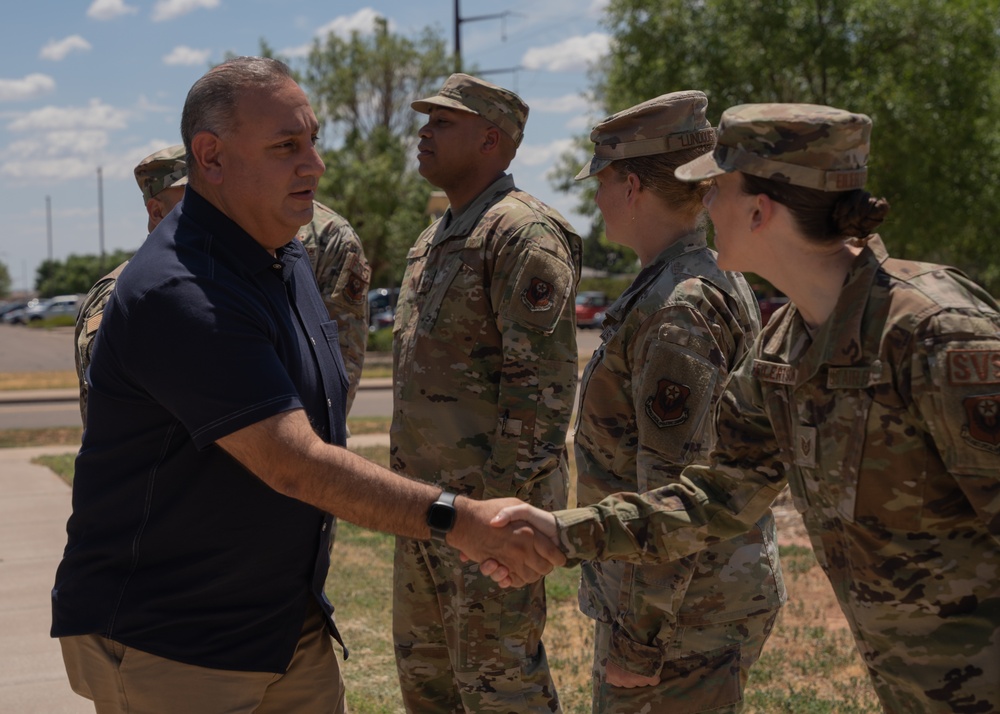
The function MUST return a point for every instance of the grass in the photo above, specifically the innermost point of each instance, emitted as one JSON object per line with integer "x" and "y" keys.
{"x": 809, "y": 664}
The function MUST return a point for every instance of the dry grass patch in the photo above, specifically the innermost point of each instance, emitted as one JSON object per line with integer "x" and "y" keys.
{"x": 17, "y": 381}
{"x": 809, "y": 664}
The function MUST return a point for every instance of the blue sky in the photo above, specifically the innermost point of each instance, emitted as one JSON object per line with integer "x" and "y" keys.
{"x": 100, "y": 83}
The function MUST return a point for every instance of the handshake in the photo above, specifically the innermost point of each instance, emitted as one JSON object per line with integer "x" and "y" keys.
{"x": 513, "y": 542}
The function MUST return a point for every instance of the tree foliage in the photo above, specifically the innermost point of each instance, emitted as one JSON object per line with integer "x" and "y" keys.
{"x": 926, "y": 71}
{"x": 5, "y": 281}
{"x": 361, "y": 89}
{"x": 77, "y": 274}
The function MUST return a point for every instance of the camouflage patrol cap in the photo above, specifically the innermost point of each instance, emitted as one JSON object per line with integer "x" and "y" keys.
{"x": 670, "y": 122}
{"x": 802, "y": 144}
{"x": 162, "y": 169}
{"x": 471, "y": 94}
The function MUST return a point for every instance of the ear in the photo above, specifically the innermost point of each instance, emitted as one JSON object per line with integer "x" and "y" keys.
{"x": 632, "y": 188}
{"x": 206, "y": 150}
{"x": 154, "y": 209}
{"x": 491, "y": 139}
{"x": 763, "y": 212}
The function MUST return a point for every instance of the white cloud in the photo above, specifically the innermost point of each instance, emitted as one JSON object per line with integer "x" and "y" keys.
{"x": 94, "y": 116}
{"x": 184, "y": 55}
{"x": 31, "y": 86}
{"x": 56, "y": 50}
{"x": 68, "y": 155}
{"x": 362, "y": 22}
{"x": 559, "y": 105}
{"x": 574, "y": 54}
{"x": 109, "y": 9}
{"x": 542, "y": 154}
{"x": 171, "y": 9}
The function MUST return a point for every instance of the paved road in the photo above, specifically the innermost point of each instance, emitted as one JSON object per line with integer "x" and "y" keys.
{"x": 24, "y": 349}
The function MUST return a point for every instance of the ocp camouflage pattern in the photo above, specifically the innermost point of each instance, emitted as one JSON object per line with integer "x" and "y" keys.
{"x": 647, "y": 397}
{"x": 484, "y": 370}
{"x": 343, "y": 276}
{"x": 884, "y": 426}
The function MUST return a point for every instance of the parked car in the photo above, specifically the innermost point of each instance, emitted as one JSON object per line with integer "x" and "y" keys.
{"x": 45, "y": 308}
{"x": 381, "y": 308}
{"x": 9, "y": 307}
{"x": 590, "y": 308}
{"x": 16, "y": 315}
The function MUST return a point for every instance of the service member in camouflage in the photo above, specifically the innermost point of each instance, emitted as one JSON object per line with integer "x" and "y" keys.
{"x": 162, "y": 177}
{"x": 485, "y": 369}
{"x": 333, "y": 247}
{"x": 342, "y": 273}
{"x": 874, "y": 394}
{"x": 678, "y": 635}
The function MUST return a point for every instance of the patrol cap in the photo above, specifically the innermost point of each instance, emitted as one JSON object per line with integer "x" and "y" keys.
{"x": 802, "y": 144}
{"x": 162, "y": 169}
{"x": 670, "y": 122}
{"x": 471, "y": 94}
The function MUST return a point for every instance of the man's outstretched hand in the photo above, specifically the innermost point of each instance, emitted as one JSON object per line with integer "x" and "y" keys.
{"x": 512, "y": 551}
{"x": 518, "y": 517}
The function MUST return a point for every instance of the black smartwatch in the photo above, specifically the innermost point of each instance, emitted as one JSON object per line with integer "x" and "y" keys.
{"x": 441, "y": 516}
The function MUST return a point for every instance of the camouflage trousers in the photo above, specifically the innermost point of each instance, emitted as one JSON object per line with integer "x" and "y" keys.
{"x": 705, "y": 670}
{"x": 462, "y": 643}
{"x": 935, "y": 665}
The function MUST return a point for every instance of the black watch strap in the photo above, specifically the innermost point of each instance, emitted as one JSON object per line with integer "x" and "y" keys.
{"x": 441, "y": 516}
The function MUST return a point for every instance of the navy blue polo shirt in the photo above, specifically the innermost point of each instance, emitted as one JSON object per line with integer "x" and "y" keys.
{"x": 173, "y": 547}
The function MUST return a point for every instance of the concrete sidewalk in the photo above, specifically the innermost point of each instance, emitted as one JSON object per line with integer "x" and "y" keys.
{"x": 34, "y": 506}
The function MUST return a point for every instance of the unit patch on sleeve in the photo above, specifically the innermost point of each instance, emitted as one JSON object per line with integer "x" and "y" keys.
{"x": 537, "y": 297}
{"x": 982, "y": 426}
{"x": 668, "y": 406}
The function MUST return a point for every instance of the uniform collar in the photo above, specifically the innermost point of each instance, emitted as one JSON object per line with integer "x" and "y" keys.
{"x": 687, "y": 243}
{"x": 463, "y": 224}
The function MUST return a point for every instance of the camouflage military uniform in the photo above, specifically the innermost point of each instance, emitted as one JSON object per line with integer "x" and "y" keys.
{"x": 485, "y": 368}
{"x": 884, "y": 423}
{"x": 342, "y": 273}
{"x": 87, "y": 322}
{"x": 700, "y": 622}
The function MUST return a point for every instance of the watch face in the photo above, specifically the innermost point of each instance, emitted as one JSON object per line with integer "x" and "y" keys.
{"x": 441, "y": 516}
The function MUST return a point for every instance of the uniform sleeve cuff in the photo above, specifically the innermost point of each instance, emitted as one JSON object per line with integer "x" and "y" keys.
{"x": 581, "y": 536}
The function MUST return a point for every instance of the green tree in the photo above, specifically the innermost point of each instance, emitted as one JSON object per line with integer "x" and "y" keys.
{"x": 926, "y": 71}
{"x": 5, "y": 281}
{"x": 361, "y": 89}
{"x": 77, "y": 274}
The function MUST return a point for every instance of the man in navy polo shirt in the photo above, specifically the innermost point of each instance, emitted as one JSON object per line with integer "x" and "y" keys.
{"x": 213, "y": 456}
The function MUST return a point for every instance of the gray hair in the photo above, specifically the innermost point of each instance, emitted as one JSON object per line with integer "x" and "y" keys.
{"x": 211, "y": 101}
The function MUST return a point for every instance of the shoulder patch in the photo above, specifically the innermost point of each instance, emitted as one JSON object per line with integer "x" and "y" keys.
{"x": 982, "y": 422}
{"x": 667, "y": 406}
{"x": 541, "y": 289}
{"x": 973, "y": 366}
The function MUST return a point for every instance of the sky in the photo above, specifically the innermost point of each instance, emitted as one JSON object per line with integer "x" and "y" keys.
{"x": 90, "y": 86}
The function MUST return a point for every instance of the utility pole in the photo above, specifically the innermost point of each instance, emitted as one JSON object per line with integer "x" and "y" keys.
{"x": 100, "y": 215}
{"x": 48, "y": 224}
{"x": 477, "y": 18}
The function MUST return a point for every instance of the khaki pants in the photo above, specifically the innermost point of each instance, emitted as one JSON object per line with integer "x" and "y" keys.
{"x": 124, "y": 680}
